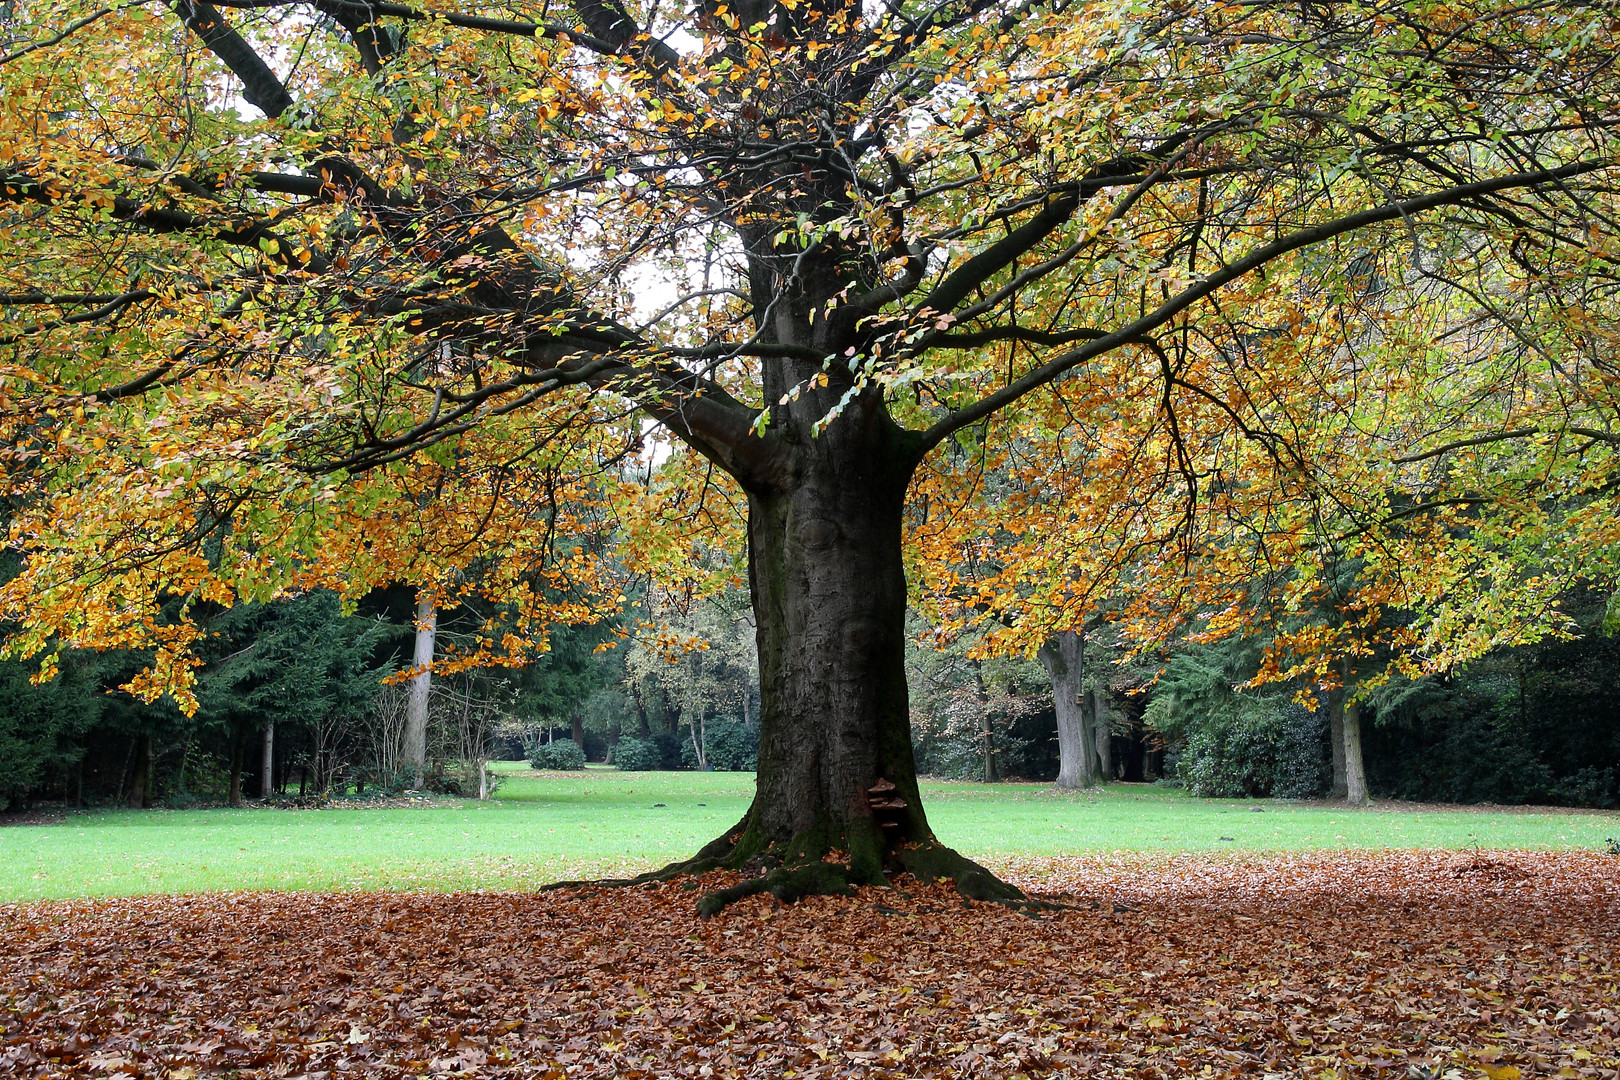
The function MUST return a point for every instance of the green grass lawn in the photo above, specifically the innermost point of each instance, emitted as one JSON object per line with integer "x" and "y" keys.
{"x": 543, "y": 828}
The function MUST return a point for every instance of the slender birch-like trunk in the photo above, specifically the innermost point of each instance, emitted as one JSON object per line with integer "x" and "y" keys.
{"x": 267, "y": 770}
{"x": 416, "y": 717}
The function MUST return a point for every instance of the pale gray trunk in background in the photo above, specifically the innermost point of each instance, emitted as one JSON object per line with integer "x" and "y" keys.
{"x": 1063, "y": 656}
{"x": 1355, "y": 775}
{"x": 267, "y": 773}
{"x": 416, "y": 716}
{"x": 1336, "y": 741}
{"x": 1102, "y": 724}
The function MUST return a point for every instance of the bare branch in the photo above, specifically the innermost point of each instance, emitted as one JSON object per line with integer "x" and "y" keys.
{"x": 1231, "y": 272}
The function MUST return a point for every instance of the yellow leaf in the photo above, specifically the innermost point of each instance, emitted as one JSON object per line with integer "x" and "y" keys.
{"x": 1501, "y": 1072}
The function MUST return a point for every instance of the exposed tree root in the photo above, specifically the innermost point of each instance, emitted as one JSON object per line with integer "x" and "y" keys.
{"x": 797, "y": 869}
{"x": 933, "y": 861}
{"x": 787, "y": 884}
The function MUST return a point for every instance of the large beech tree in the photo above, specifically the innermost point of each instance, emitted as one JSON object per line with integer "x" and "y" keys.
{"x": 269, "y": 263}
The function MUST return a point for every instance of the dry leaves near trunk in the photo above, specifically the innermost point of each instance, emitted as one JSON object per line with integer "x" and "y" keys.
{"x": 1494, "y": 965}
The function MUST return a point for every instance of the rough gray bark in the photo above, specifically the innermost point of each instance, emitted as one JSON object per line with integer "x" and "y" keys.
{"x": 836, "y": 771}
{"x": 416, "y": 714}
{"x": 1063, "y": 656}
{"x": 267, "y": 770}
{"x": 1336, "y": 741}
{"x": 829, "y": 596}
{"x": 1355, "y": 775}
{"x": 1102, "y": 724}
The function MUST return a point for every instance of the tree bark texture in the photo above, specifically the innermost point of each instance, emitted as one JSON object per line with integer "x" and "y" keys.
{"x": 1355, "y": 774}
{"x": 1336, "y": 740}
{"x": 416, "y": 716}
{"x": 267, "y": 769}
{"x": 836, "y": 772}
{"x": 1063, "y": 656}
{"x": 1102, "y": 721}
{"x": 829, "y": 595}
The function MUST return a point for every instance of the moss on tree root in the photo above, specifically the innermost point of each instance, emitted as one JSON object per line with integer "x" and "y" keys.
{"x": 794, "y": 869}
{"x": 933, "y": 861}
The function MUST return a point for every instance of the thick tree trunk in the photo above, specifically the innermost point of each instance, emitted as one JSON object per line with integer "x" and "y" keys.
{"x": 1336, "y": 742}
{"x": 577, "y": 732}
{"x": 267, "y": 769}
{"x": 238, "y": 752}
{"x": 829, "y": 596}
{"x": 143, "y": 771}
{"x": 416, "y": 714}
{"x": 1103, "y": 728}
{"x": 1063, "y": 656}
{"x": 1355, "y": 775}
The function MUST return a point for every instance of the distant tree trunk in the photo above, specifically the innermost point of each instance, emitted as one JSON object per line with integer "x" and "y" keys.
{"x": 700, "y": 740}
{"x": 1355, "y": 775}
{"x": 238, "y": 752}
{"x": 577, "y": 732}
{"x": 644, "y": 729}
{"x": 416, "y": 717}
{"x": 988, "y": 735}
{"x": 1136, "y": 755}
{"x": 143, "y": 769}
{"x": 1063, "y": 656}
{"x": 1341, "y": 788}
{"x": 123, "y": 773}
{"x": 267, "y": 771}
{"x": 1102, "y": 725}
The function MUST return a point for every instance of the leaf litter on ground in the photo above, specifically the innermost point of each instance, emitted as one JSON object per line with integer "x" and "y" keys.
{"x": 1392, "y": 964}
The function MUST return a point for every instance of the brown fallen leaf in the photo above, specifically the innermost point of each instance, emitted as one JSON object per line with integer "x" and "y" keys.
{"x": 1165, "y": 966}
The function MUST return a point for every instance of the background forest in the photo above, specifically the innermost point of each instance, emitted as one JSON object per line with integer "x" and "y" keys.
{"x": 296, "y": 703}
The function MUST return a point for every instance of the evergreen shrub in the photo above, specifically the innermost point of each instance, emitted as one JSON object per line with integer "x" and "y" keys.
{"x": 564, "y": 755}
{"x": 669, "y": 747}
{"x": 636, "y": 755}
{"x": 1265, "y": 748}
{"x": 733, "y": 747}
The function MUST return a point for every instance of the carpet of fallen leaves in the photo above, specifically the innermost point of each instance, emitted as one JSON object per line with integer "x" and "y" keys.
{"x": 1410, "y": 964}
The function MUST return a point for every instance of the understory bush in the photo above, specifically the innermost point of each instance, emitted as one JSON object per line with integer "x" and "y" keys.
{"x": 732, "y": 747}
{"x": 636, "y": 755}
{"x": 669, "y": 746}
{"x": 564, "y": 755}
{"x": 1304, "y": 764}
{"x": 1261, "y": 748}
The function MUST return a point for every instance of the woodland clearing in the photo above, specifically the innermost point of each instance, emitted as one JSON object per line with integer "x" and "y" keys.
{"x": 1329, "y": 964}
{"x": 603, "y": 823}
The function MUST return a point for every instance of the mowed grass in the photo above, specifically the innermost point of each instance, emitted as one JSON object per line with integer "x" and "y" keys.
{"x": 547, "y": 827}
